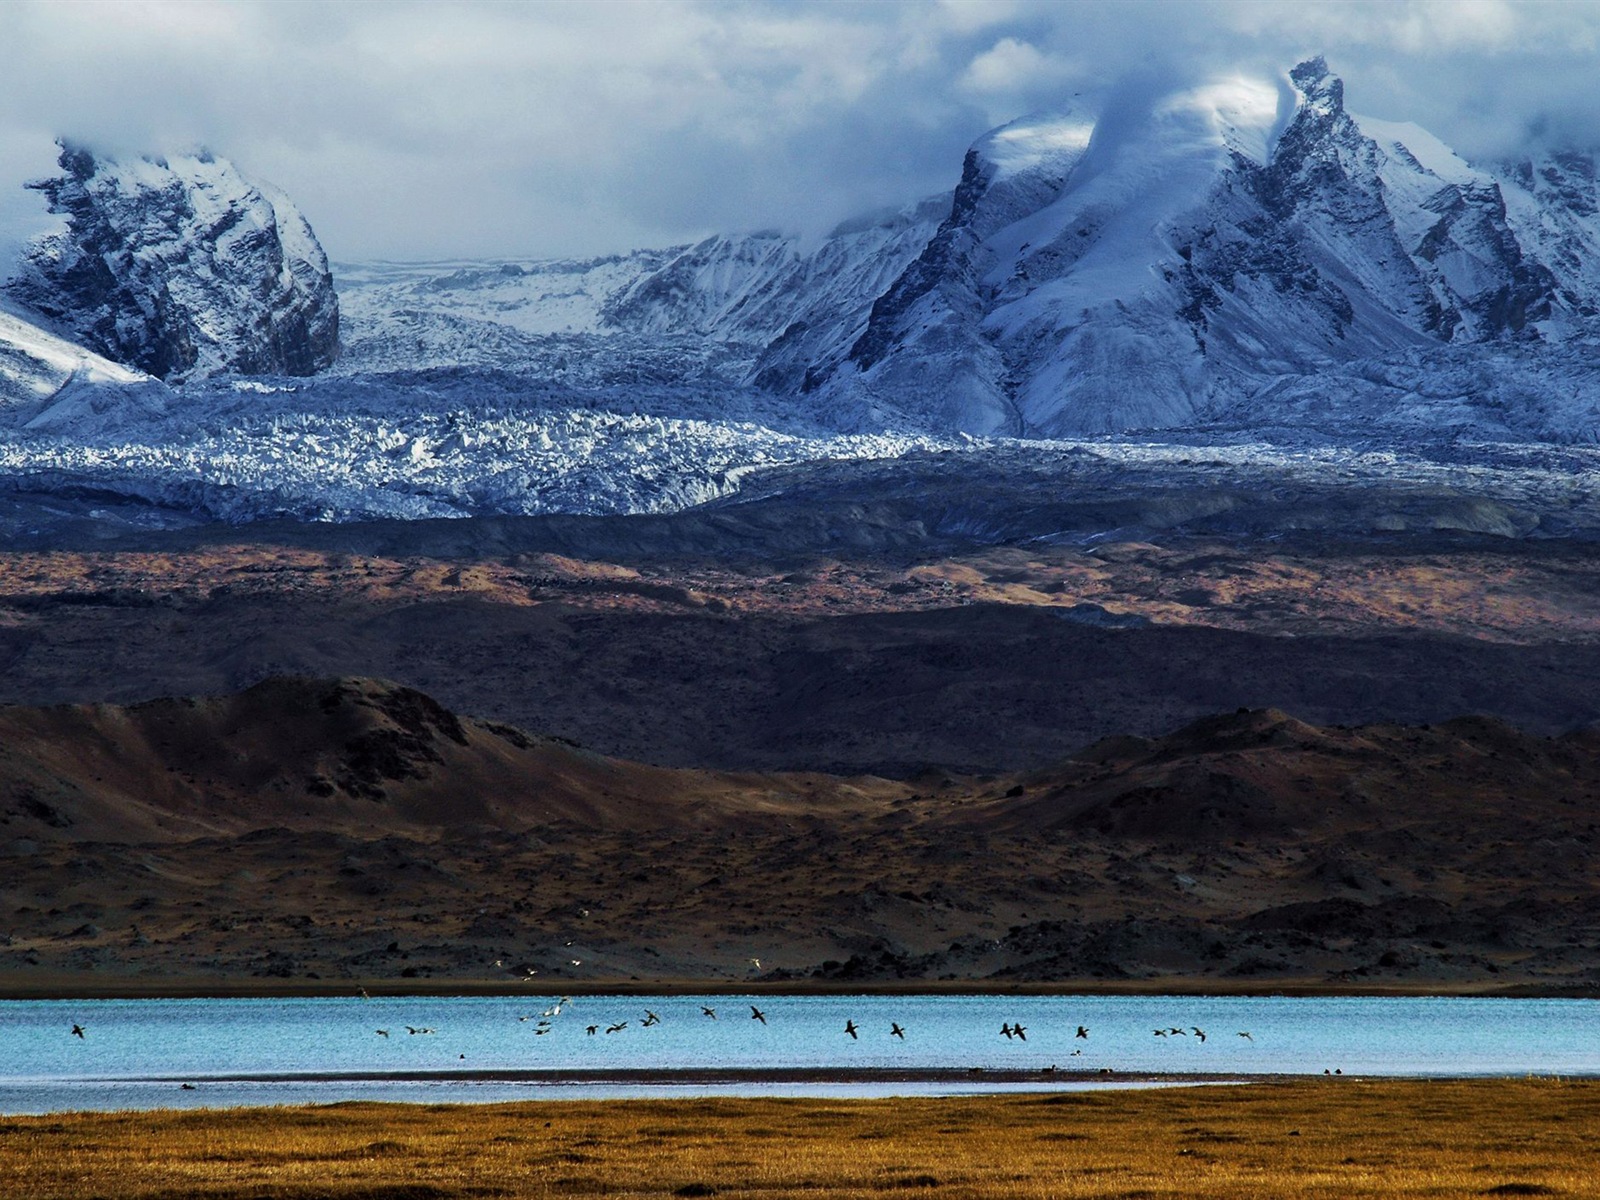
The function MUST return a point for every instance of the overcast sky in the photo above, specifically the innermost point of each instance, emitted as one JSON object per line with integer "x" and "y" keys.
{"x": 436, "y": 130}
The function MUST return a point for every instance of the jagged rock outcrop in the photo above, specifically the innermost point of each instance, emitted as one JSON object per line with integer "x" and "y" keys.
{"x": 180, "y": 267}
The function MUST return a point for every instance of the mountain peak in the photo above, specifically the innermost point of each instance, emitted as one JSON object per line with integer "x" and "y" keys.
{"x": 1322, "y": 89}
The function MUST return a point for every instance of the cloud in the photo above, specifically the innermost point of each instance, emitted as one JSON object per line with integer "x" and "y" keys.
{"x": 411, "y": 129}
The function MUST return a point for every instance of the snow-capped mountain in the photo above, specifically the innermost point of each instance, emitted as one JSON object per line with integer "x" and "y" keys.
{"x": 180, "y": 267}
{"x": 1165, "y": 265}
{"x": 1241, "y": 264}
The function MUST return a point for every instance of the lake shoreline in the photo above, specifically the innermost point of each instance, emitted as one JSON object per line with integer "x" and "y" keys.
{"x": 97, "y": 986}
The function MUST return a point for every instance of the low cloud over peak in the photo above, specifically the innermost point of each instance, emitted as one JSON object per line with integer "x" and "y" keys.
{"x": 414, "y": 130}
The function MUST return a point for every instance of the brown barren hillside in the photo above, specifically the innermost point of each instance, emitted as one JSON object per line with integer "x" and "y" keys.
{"x": 349, "y": 756}
{"x": 317, "y": 834}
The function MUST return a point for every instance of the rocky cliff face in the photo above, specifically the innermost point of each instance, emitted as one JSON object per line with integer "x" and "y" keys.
{"x": 181, "y": 267}
{"x": 1156, "y": 266}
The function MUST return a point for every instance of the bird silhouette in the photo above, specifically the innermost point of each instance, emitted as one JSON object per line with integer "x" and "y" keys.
{"x": 618, "y": 1027}
{"x": 593, "y": 1029}
{"x": 1021, "y": 1031}
{"x": 710, "y": 1012}
{"x": 850, "y": 1028}
{"x": 77, "y": 1032}
{"x": 1005, "y": 1031}
{"x": 381, "y": 1032}
{"x": 1176, "y": 1032}
{"x": 1198, "y": 1032}
{"x": 757, "y": 1015}
{"x": 1161, "y": 1033}
{"x": 187, "y": 1087}
{"x": 1244, "y": 1033}
{"x": 1083, "y": 1031}
{"x": 650, "y": 1019}
{"x": 896, "y": 1031}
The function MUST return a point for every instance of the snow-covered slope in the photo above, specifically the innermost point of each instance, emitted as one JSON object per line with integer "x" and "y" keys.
{"x": 703, "y": 312}
{"x": 48, "y": 382}
{"x": 181, "y": 267}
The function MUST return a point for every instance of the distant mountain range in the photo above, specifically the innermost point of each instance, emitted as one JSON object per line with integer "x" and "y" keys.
{"x": 1244, "y": 259}
{"x": 1246, "y": 254}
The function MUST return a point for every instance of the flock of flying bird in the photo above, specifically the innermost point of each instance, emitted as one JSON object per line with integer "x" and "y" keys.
{"x": 546, "y": 1021}
{"x": 1009, "y": 1030}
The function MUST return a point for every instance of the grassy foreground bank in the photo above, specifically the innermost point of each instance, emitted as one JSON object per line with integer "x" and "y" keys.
{"x": 1303, "y": 1138}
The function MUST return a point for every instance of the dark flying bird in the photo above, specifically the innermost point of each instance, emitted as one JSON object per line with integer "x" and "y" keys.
{"x": 592, "y": 1030}
{"x": 618, "y": 1027}
{"x": 710, "y": 1012}
{"x": 757, "y": 1015}
{"x": 77, "y": 1031}
{"x": 896, "y": 1031}
{"x": 850, "y": 1028}
{"x": 1021, "y": 1031}
{"x": 1198, "y": 1032}
{"x": 650, "y": 1019}
{"x": 1083, "y": 1031}
{"x": 1005, "y": 1031}
{"x": 1244, "y": 1033}
{"x": 381, "y": 1032}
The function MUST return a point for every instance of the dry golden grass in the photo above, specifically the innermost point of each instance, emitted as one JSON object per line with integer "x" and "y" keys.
{"x": 1342, "y": 1138}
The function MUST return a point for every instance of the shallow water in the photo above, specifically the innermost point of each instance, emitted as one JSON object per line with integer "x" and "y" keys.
{"x": 138, "y": 1053}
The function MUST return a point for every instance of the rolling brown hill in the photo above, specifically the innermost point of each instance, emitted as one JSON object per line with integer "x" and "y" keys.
{"x": 353, "y": 756}
{"x": 316, "y": 833}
